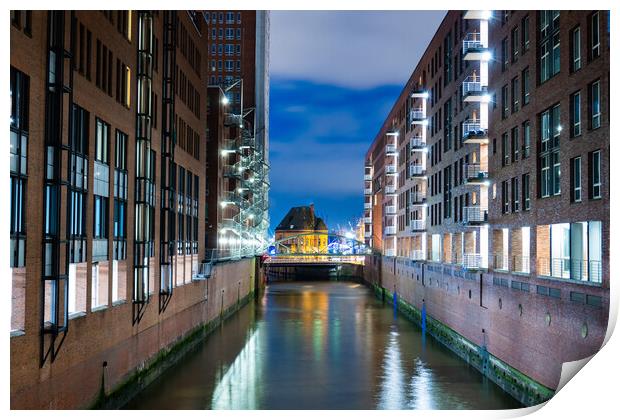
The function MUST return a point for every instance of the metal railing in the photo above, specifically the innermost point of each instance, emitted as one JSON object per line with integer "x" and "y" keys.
{"x": 390, "y": 148}
{"x": 390, "y": 230}
{"x": 475, "y": 171}
{"x": 367, "y": 191}
{"x": 417, "y": 142}
{"x": 390, "y": 210}
{"x": 416, "y": 114}
{"x": 566, "y": 268}
{"x": 390, "y": 169}
{"x": 473, "y": 84}
{"x": 520, "y": 263}
{"x": 501, "y": 262}
{"x": 417, "y": 197}
{"x": 367, "y": 234}
{"x": 417, "y": 224}
{"x": 473, "y": 128}
{"x": 389, "y": 252}
{"x": 367, "y": 177}
{"x": 417, "y": 255}
{"x": 367, "y": 206}
{"x": 390, "y": 189}
{"x": 416, "y": 170}
{"x": 471, "y": 42}
{"x": 367, "y": 219}
{"x": 471, "y": 261}
{"x": 475, "y": 214}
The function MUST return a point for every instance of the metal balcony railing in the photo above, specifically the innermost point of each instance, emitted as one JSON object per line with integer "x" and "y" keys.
{"x": 367, "y": 234}
{"x": 417, "y": 225}
{"x": 367, "y": 191}
{"x": 475, "y": 215}
{"x": 472, "y": 43}
{"x": 416, "y": 143}
{"x": 390, "y": 210}
{"x": 367, "y": 206}
{"x": 472, "y": 261}
{"x": 390, "y": 230}
{"x": 390, "y": 252}
{"x": 416, "y": 170}
{"x": 417, "y": 255}
{"x": 520, "y": 263}
{"x": 417, "y": 197}
{"x": 501, "y": 262}
{"x": 473, "y": 128}
{"x": 390, "y": 189}
{"x": 566, "y": 268}
{"x": 390, "y": 169}
{"x": 475, "y": 171}
{"x": 390, "y": 149}
{"x": 416, "y": 114}
{"x": 367, "y": 177}
{"x": 367, "y": 219}
{"x": 473, "y": 85}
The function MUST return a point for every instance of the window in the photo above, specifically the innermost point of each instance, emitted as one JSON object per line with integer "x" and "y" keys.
{"x": 595, "y": 175}
{"x": 504, "y": 52}
{"x": 515, "y": 94}
{"x": 549, "y": 158}
{"x": 525, "y": 85}
{"x": 525, "y": 186}
{"x": 102, "y": 141}
{"x": 238, "y": 33}
{"x": 514, "y": 188}
{"x": 575, "y": 178}
{"x": 20, "y": 96}
{"x": 575, "y": 114}
{"x": 595, "y": 105}
{"x": 505, "y": 101}
{"x": 515, "y": 144}
{"x": 575, "y": 38}
{"x": 514, "y": 39}
{"x": 505, "y": 150}
{"x": 505, "y": 199}
{"x": 526, "y": 139}
{"x": 100, "y": 227}
{"x": 549, "y": 59}
{"x": 595, "y": 42}
{"x": 525, "y": 33}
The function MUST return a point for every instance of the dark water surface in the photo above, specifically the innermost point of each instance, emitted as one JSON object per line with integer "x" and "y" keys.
{"x": 321, "y": 345}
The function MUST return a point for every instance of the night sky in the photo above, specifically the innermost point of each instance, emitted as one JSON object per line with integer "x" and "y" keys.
{"x": 334, "y": 78}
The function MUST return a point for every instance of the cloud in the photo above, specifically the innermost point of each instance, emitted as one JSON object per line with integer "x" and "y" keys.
{"x": 356, "y": 49}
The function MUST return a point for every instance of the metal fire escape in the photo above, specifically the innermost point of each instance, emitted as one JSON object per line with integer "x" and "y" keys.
{"x": 167, "y": 232}
{"x": 54, "y": 318}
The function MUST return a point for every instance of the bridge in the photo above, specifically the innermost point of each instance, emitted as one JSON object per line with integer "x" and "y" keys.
{"x": 294, "y": 250}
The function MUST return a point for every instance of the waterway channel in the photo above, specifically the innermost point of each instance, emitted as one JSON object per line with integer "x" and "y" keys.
{"x": 320, "y": 345}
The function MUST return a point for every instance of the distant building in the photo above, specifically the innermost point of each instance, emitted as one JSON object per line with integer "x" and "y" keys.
{"x": 307, "y": 232}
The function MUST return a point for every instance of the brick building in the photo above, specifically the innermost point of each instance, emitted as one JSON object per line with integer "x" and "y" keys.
{"x": 493, "y": 167}
{"x": 109, "y": 183}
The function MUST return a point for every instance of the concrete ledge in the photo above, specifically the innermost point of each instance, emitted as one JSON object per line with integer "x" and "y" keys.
{"x": 166, "y": 358}
{"x": 521, "y": 387}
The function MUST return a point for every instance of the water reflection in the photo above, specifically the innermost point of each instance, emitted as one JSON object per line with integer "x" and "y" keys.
{"x": 321, "y": 345}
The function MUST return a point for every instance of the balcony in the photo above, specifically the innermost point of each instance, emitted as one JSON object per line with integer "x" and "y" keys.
{"x": 416, "y": 116}
{"x": 390, "y": 190}
{"x": 501, "y": 262}
{"x": 367, "y": 177}
{"x": 390, "y": 169}
{"x": 471, "y": 261}
{"x": 417, "y": 225}
{"x": 475, "y": 215}
{"x": 367, "y": 206}
{"x": 367, "y": 191}
{"x": 417, "y": 143}
{"x": 473, "y": 132}
{"x": 367, "y": 234}
{"x": 390, "y": 210}
{"x": 474, "y": 90}
{"x": 417, "y": 198}
{"x": 474, "y": 48}
{"x": 390, "y": 230}
{"x": 416, "y": 170}
{"x": 391, "y": 252}
{"x": 520, "y": 263}
{"x": 478, "y": 14}
{"x": 419, "y": 93}
{"x": 390, "y": 150}
{"x": 475, "y": 173}
{"x": 573, "y": 269}
{"x": 417, "y": 255}
{"x": 367, "y": 219}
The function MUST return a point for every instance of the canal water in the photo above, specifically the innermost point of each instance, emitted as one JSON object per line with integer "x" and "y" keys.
{"x": 321, "y": 345}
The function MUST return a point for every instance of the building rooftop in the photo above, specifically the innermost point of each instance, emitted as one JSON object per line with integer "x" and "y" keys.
{"x": 302, "y": 218}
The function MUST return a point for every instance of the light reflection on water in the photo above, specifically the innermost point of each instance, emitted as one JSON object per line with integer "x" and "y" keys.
{"x": 320, "y": 345}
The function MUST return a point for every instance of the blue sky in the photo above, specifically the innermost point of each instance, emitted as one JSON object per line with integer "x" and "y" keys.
{"x": 334, "y": 77}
